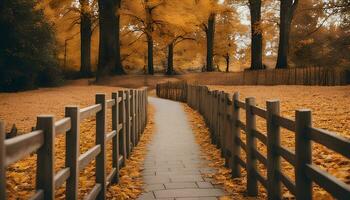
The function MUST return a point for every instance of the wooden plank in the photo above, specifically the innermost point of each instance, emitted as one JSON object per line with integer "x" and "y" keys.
{"x": 94, "y": 193}
{"x": 115, "y": 139}
{"x": 241, "y": 125}
{"x": 73, "y": 152}
{"x": 89, "y": 111}
{"x": 287, "y": 182}
{"x": 111, "y": 176}
{"x": 241, "y": 144}
{"x": 2, "y": 161}
{"x": 285, "y": 122}
{"x": 252, "y": 183}
{"x": 303, "y": 155}
{"x": 262, "y": 138}
{"x": 128, "y": 124}
{"x": 240, "y": 104}
{"x": 88, "y": 156}
{"x": 236, "y": 150}
{"x": 22, "y": 146}
{"x": 260, "y": 157}
{"x": 332, "y": 141}
{"x": 45, "y": 157}
{"x": 261, "y": 179}
{"x": 111, "y": 135}
{"x": 110, "y": 103}
{"x": 286, "y": 154}
{"x": 241, "y": 162}
{"x": 100, "y": 169}
{"x": 39, "y": 195}
{"x": 273, "y": 159}
{"x": 61, "y": 177}
{"x": 335, "y": 187}
{"x": 122, "y": 121}
{"x": 259, "y": 112}
{"x": 63, "y": 125}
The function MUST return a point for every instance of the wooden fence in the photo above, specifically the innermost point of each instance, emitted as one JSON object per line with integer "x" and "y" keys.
{"x": 222, "y": 116}
{"x": 326, "y": 76}
{"x": 129, "y": 117}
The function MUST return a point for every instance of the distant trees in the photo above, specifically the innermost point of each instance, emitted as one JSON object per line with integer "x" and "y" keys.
{"x": 28, "y": 56}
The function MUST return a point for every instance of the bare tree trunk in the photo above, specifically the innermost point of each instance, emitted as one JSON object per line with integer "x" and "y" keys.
{"x": 210, "y": 42}
{"x": 107, "y": 48}
{"x": 287, "y": 10}
{"x": 227, "y": 58}
{"x": 119, "y": 66}
{"x": 170, "y": 67}
{"x": 149, "y": 30}
{"x": 150, "y": 55}
{"x": 85, "y": 41}
{"x": 256, "y": 46}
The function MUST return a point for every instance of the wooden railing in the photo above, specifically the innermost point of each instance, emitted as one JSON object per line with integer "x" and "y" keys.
{"x": 176, "y": 91}
{"x": 129, "y": 117}
{"x": 222, "y": 116}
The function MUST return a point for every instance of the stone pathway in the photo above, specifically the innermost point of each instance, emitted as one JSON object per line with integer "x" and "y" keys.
{"x": 173, "y": 167}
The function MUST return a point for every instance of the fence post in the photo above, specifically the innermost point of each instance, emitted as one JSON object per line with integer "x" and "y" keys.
{"x": 101, "y": 140}
{"x": 137, "y": 115}
{"x": 72, "y": 151}
{"x": 132, "y": 114}
{"x": 252, "y": 184}
{"x": 115, "y": 140}
{"x": 236, "y": 149}
{"x": 2, "y": 161}
{"x": 122, "y": 134}
{"x": 273, "y": 159}
{"x": 128, "y": 124}
{"x": 223, "y": 124}
{"x": 303, "y": 154}
{"x": 45, "y": 157}
{"x": 228, "y": 131}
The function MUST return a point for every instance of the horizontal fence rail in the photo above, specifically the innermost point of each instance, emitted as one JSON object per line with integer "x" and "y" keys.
{"x": 129, "y": 118}
{"x": 222, "y": 115}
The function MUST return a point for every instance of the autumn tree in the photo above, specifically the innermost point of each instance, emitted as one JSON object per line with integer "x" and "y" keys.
{"x": 256, "y": 35}
{"x": 142, "y": 14}
{"x": 108, "y": 31}
{"x": 225, "y": 42}
{"x": 26, "y": 63}
{"x": 287, "y": 10}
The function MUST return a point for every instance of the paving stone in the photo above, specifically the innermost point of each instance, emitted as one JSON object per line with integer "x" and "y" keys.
{"x": 180, "y": 185}
{"x": 204, "y": 185}
{"x": 152, "y": 187}
{"x": 177, "y": 193}
{"x": 186, "y": 178}
{"x": 146, "y": 196}
{"x": 156, "y": 179}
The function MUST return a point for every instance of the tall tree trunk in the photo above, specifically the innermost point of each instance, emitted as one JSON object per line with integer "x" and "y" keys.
{"x": 150, "y": 55}
{"x": 85, "y": 42}
{"x": 256, "y": 46}
{"x": 227, "y": 58}
{"x": 107, "y": 48}
{"x": 119, "y": 66}
{"x": 149, "y": 31}
{"x": 210, "y": 42}
{"x": 287, "y": 9}
{"x": 170, "y": 67}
